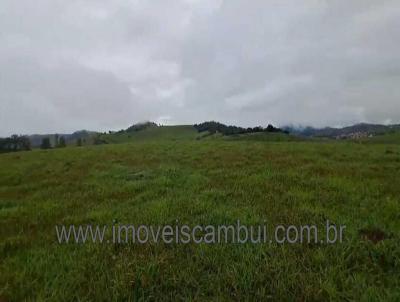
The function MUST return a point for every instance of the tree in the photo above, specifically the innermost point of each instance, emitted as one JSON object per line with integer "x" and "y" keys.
{"x": 271, "y": 128}
{"x": 61, "y": 142}
{"x": 45, "y": 143}
{"x": 14, "y": 142}
{"x": 25, "y": 143}
{"x": 79, "y": 142}
{"x": 56, "y": 140}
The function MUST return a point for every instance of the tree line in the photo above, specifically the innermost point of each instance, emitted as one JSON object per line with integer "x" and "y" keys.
{"x": 215, "y": 127}
{"x": 60, "y": 142}
{"x": 15, "y": 143}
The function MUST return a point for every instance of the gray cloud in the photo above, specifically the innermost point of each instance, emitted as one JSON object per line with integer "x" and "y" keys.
{"x": 68, "y": 65}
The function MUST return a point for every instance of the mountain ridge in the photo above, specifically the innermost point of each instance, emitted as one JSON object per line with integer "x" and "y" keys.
{"x": 353, "y": 131}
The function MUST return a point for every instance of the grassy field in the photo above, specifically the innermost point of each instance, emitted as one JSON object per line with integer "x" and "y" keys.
{"x": 160, "y": 181}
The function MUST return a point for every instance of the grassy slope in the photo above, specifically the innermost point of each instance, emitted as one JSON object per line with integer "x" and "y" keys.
{"x": 187, "y": 133}
{"x": 200, "y": 182}
{"x": 162, "y": 133}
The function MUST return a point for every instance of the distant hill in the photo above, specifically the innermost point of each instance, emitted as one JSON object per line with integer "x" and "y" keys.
{"x": 141, "y": 126}
{"x": 356, "y": 131}
{"x": 150, "y": 131}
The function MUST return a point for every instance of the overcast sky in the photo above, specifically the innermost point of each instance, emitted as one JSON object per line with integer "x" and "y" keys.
{"x": 105, "y": 64}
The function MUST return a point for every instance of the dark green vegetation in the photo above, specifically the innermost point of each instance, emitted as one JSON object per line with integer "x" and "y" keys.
{"x": 215, "y": 127}
{"x": 14, "y": 143}
{"x": 263, "y": 136}
{"x": 167, "y": 174}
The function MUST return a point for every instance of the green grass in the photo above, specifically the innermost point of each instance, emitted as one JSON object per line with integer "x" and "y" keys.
{"x": 193, "y": 181}
{"x": 389, "y": 138}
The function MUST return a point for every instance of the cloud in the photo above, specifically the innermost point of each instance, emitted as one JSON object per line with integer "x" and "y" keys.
{"x": 68, "y": 65}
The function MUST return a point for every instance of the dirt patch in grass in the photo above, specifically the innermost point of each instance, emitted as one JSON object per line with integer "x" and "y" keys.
{"x": 374, "y": 234}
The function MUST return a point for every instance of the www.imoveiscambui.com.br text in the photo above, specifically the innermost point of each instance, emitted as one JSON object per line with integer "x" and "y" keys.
{"x": 199, "y": 234}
